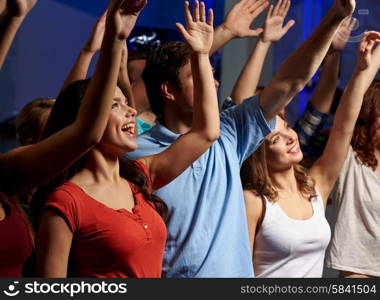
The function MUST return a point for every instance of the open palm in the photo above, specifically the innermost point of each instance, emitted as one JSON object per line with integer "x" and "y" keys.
{"x": 274, "y": 28}
{"x": 124, "y": 15}
{"x": 343, "y": 34}
{"x": 241, "y": 16}
{"x": 366, "y": 49}
{"x": 198, "y": 33}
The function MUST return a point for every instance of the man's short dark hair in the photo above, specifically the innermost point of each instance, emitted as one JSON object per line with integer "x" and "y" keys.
{"x": 163, "y": 65}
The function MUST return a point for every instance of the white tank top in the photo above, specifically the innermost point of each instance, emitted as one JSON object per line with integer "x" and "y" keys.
{"x": 286, "y": 247}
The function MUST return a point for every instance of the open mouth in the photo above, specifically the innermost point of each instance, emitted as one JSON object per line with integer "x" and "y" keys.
{"x": 129, "y": 128}
{"x": 295, "y": 149}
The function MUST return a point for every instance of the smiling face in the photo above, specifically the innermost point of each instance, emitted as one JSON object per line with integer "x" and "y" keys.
{"x": 119, "y": 136}
{"x": 282, "y": 147}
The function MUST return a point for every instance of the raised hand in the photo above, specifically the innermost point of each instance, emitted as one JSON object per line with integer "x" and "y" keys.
{"x": 20, "y": 8}
{"x": 122, "y": 16}
{"x": 274, "y": 29}
{"x": 241, "y": 16}
{"x": 343, "y": 34}
{"x": 345, "y": 8}
{"x": 95, "y": 40}
{"x": 198, "y": 34}
{"x": 366, "y": 49}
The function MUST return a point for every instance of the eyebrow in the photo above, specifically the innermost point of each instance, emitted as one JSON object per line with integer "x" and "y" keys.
{"x": 119, "y": 100}
{"x": 275, "y": 135}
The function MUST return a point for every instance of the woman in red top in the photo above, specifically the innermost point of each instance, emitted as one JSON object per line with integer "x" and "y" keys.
{"x": 104, "y": 221}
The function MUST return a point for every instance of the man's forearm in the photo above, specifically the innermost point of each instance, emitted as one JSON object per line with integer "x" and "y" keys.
{"x": 300, "y": 66}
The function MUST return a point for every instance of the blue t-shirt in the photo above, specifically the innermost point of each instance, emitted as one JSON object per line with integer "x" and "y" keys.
{"x": 207, "y": 228}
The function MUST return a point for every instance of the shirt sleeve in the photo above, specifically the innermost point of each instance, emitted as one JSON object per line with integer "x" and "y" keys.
{"x": 64, "y": 202}
{"x": 245, "y": 126}
{"x": 309, "y": 124}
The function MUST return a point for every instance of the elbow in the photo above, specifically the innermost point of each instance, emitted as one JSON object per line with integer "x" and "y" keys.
{"x": 296, "y": 87}
{"x": 213, "y": 136}
{"x": 92, "y": 140}
{"x": 210, "y": 136}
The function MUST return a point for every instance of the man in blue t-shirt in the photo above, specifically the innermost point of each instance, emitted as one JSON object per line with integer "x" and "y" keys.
{"x": 207, "y": 229}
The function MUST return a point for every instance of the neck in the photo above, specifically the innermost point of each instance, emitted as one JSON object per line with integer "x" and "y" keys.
{"x": 100, "y": 168}
{"x": 285, "y": 180}
{"x": 177, "y": 121}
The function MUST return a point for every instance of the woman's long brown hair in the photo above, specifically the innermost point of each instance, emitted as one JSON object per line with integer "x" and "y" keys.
{"x": 365, "y": 137}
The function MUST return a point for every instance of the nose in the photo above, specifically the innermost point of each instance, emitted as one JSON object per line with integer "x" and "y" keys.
{"x": 130, "y": 112}
{"x": 291, "y": 139}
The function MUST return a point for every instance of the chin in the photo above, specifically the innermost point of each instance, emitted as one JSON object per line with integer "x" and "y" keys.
{"x": 130, "y": 148}
{"x": 299, "y": 157}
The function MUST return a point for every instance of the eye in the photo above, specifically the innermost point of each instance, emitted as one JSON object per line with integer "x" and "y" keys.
{"x": 115, "y": 105}
{"x": 276, "y": 140}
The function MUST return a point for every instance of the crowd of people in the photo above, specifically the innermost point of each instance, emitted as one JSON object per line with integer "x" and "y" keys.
{"x": 148, "y": 177}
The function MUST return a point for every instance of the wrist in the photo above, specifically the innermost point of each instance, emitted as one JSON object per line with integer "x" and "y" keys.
{"x": 88, "y": 51}
{"x": 227, "y": 32}
{"x": 333, "y": 51}
{"x": 263, "y": 41}
{"x": 339, "y": 13}
{"x": 200, "y": 55}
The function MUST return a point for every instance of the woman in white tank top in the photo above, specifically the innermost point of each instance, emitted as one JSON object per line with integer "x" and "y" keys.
{"x": 285, "y": 204}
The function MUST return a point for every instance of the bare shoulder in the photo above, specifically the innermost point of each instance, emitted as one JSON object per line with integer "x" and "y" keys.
{"x": 253, "y": 203}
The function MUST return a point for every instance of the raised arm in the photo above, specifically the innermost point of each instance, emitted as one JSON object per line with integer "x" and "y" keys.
{"x": 30, "y": 166}
{"x": 300, "y": 66}
{"x": 274, "y": 30}
{"x": 237, "y": 23}
{"x": 124, "y": 82}
{"x": 12, "y": 15}
{"x": 316, "y": 114}
{"x": 167, "y": 165}
{"x": 93, "y": 44}
{"x": 326, "y": 169}
{"x": 325, "y": 90}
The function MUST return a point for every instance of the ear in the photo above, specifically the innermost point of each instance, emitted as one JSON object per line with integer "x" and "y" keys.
{"x": 167, "y": 91}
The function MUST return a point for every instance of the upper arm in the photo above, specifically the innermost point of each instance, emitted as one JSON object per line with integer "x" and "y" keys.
{"x": 55, "y": 242}
{"x": 326, "y": 169}
{"x": 254, "y": 212}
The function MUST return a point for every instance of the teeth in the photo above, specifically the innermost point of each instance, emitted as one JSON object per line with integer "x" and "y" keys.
{"x": 129, "y": 127}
